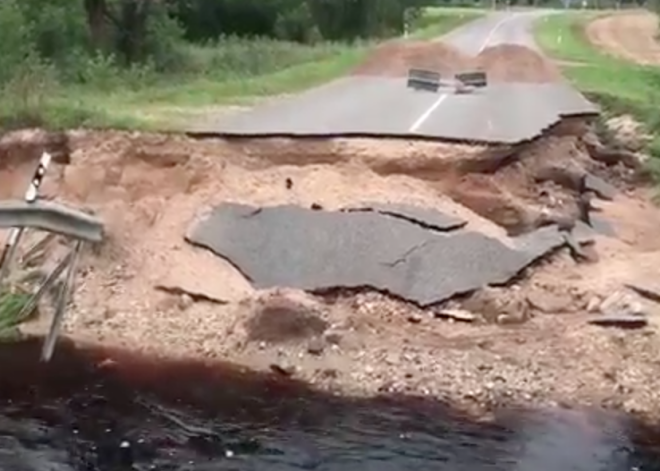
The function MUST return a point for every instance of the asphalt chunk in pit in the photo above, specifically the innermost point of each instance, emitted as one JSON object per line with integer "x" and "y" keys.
{"x": 599, "y": 186}
{"x": 291, "y": 246}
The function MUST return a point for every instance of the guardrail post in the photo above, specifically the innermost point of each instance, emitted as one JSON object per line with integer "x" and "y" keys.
{"x": 9, "y": 252}
{"x": 83, "y": 228}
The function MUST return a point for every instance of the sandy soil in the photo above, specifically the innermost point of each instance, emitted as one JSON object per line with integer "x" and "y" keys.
{"x": 629, "y": 35}
{"x": 146, "y": 289}
{"x": 149, "y": 188}
{"x": 504, "y": 63}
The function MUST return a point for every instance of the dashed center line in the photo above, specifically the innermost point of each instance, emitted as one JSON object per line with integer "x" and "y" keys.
{"x": 497, "y": 26}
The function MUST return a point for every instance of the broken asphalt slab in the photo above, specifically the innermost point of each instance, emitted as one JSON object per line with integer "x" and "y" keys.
{"x": 599, "y": 186}
{"x": 647, "y": 290}
{"x": 428, "y": 218}
{"x": 317, "y": 250}
{"x": 602, "y": 226}
{"x": 507, "y": 113}
{"x": 549, "y": 238}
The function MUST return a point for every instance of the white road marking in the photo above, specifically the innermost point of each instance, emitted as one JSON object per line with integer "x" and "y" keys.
{"x": 424, "y": 116}
{"x": 497, "y": 26}
{"x": 416, "y": 125}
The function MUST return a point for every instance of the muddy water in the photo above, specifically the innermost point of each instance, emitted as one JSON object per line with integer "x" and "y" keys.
{"x": 85, "y": 412}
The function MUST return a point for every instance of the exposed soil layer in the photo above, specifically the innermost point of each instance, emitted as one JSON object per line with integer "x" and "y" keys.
{"x": 503, "y": 63}
{"x": 630, "y": 35}
{"x": 149, "y": 188}
{"x": 396, "y": 57}
{"x": 515, "y": 63}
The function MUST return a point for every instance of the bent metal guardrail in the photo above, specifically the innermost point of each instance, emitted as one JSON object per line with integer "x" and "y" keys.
{"x": 79, "y": 227}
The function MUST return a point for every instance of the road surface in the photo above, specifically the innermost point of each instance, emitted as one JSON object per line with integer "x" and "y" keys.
{"x": 385, "y": 107}
{"x": 502, "y": 27}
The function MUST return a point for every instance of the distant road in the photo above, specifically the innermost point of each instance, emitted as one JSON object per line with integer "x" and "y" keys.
{"x": 383, "y": 106}
{"x": 502, "y": 27}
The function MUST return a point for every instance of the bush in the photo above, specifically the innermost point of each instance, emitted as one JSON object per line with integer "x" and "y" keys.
{"x": 16, "y": 39}
{"x": 56, "y": 53}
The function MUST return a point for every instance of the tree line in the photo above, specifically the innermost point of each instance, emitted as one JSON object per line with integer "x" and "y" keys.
{"x": 136, "y": 29}
{"x": 297, "y": 20}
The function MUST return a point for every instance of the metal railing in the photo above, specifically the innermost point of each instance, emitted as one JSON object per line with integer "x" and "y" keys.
{"x": 78, "y": 227}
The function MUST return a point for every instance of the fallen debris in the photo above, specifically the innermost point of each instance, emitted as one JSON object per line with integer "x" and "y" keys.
{"x": 194, "y": 296}
{"x": 599, "y": 186}
{"x": 648, "y": 291}
{"x": 628, "y": 132}
{"x": 460, "y": 315}
{"x": 283, "y": 369}
{"x": 316, "y": 346}
{"x": 548, "y": 302}
{"x": 621, "y": 303}
{"x": 277, "y": 319}
{"x": 623, "y": 322}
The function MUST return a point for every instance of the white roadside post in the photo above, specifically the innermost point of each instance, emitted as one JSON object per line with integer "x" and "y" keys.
{"x": 406, "y": 28}
{"x": 15, "y": 235}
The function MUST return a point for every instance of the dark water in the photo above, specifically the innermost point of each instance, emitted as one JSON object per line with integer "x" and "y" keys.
{"x": 146, "y": 415}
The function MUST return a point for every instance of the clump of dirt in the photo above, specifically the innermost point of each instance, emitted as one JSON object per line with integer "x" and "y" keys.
{"x": 279, "y": 318}
{"x": 503, "y": 63}
{"x": 627, "y": 132}
{"x": 515, "y": 63}
{"x": 559, "y": 159}
{"x": 395, "y": 58}
{"x": 493, "y": 201}
{"x": 19, "y": 152}
{"x": 514, "y": 186}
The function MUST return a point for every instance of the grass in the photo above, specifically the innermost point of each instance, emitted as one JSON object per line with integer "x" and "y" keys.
{"x": 437, "y": 21}
{"x": 232, "y": 72}
{"x": 11, "y": 304}
{"x": 169, "y": 102}
{"x": 618, "y": 85}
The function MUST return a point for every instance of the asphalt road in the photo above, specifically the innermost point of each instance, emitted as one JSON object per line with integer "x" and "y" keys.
{"x": 383, "y": 106}
{"x": 504, "y": 27}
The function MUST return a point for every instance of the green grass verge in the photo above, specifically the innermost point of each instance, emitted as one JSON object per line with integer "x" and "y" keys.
{"x": 437, "y": 21}
{"x": 232, "y": 72}
{"x": 169, "y": 104}
{"x": 618, "y": 85}
{"x": 10, "y": 306}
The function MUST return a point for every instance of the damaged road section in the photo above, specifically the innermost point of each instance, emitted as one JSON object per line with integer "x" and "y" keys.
{"x": 426, "y": 217}
{"x": 311, "y": 250}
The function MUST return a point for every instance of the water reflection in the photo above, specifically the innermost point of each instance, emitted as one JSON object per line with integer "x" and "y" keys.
{"x": 146, "y": 415}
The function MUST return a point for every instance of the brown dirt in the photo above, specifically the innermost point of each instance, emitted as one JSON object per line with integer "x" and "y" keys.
{"x": 504, "y": 63}
{"x": 396, "y": 57}
{"x": 149, "y": 188}
{"x": 514, "y": 63}
{"x": 630, "y": 35}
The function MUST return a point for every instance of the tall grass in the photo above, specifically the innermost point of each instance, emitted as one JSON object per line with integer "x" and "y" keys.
{"x": 96, "y": 90}
{"x": 618, "y": 85}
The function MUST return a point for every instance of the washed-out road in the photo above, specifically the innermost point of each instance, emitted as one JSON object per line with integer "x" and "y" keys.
{"x": 385, "y": 107}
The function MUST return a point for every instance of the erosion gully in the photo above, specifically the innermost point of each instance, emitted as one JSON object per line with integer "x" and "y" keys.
{"x": 81, "y": 412}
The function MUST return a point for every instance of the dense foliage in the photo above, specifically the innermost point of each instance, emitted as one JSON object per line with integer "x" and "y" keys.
{"x": 299, "y": 20}
{"x": 110, "y": 45}
{"x": 66, "y": 32}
